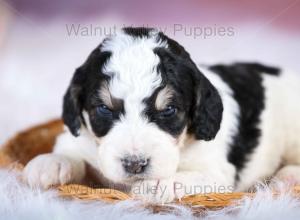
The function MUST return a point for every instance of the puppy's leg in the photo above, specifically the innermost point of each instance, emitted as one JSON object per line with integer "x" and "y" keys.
{"x": 181, "y": 184}
{"x": 64, "y": 165}
{"x": 289, "y": 174}
{"x": 51, "y": 169}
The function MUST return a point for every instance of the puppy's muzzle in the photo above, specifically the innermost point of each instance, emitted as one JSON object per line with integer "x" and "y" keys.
{"x": 134, "y": 164}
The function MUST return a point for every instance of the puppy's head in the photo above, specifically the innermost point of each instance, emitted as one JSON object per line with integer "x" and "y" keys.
{"x": 140, "y": 94}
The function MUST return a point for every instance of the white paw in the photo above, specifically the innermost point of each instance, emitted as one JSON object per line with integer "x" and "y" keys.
{"x": 156, "y": 191}
{"x": 289, "y": 174}
{"x": 49, "y": 170}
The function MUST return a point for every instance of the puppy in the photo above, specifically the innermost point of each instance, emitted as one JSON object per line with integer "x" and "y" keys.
{"x": 142, "y": 114}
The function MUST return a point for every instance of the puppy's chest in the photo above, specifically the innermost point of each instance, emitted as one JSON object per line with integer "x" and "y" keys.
{"x": 199, "y": 155}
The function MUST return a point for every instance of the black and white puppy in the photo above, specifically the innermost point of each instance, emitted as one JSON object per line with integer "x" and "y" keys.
{"x": 141, "y": 113}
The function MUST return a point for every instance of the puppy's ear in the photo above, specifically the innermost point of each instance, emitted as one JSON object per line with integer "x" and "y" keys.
{"x": 74, "y": 98}
{"x": 72, "y": 104}
{"x": 207, "y": 110}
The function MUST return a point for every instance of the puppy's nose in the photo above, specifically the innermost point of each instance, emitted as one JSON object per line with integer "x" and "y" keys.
{"x": 134, "y": 164}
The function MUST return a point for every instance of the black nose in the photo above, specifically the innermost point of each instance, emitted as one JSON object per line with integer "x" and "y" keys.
{"x": 134, "y": 164}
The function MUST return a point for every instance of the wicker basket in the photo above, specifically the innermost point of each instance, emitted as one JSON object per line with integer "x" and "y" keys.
{"x": 40, "y": 139}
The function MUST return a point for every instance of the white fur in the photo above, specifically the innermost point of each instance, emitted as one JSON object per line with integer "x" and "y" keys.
{"x": 133, "y": 65}
{"x": 289, "y": 174}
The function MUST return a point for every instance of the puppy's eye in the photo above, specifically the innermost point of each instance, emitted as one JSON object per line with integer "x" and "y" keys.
{"x": 104, "y": 110}
{"x": 168, "y": 112}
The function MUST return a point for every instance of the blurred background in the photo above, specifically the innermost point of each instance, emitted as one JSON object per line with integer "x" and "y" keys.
{"x": 42, "y": 42}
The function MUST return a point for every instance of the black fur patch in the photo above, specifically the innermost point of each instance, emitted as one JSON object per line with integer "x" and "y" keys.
{"x": 176, "y": 75}
{"x": 138, "y": 31}
{"x": 197, "y": 101}
{"x": 205, "y": 114}
{"x": 81, "y": 95}
{"x": 245, "y": 79}
{"x": 181, "y": 100}
{"x": 203, "y": 118}
{"x": 100, "y": 124}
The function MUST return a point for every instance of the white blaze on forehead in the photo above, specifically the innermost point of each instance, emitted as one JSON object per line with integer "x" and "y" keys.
{"x": 133, "y": 67}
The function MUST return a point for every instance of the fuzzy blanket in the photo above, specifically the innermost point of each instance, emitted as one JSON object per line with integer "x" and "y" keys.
{"x": 19, "y": 202}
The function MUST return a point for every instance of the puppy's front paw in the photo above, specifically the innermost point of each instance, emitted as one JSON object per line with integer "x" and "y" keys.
{"x": 289, "y": 174}
{"x": 49, "y": 170}
{"x": 155, "y": 191}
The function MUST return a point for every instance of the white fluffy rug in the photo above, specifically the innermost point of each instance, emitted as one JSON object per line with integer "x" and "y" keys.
{"x": 19, "y": 202}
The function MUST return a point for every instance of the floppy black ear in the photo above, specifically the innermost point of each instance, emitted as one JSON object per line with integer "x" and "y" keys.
{"x": 207, "y": 110}
{"x": 72, "y": 104}
{"x": 74, "y": 97}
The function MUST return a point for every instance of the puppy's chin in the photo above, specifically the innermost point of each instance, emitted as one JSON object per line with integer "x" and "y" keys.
{"x": 122, "y": 177}
{"x": 130, "y": 179}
